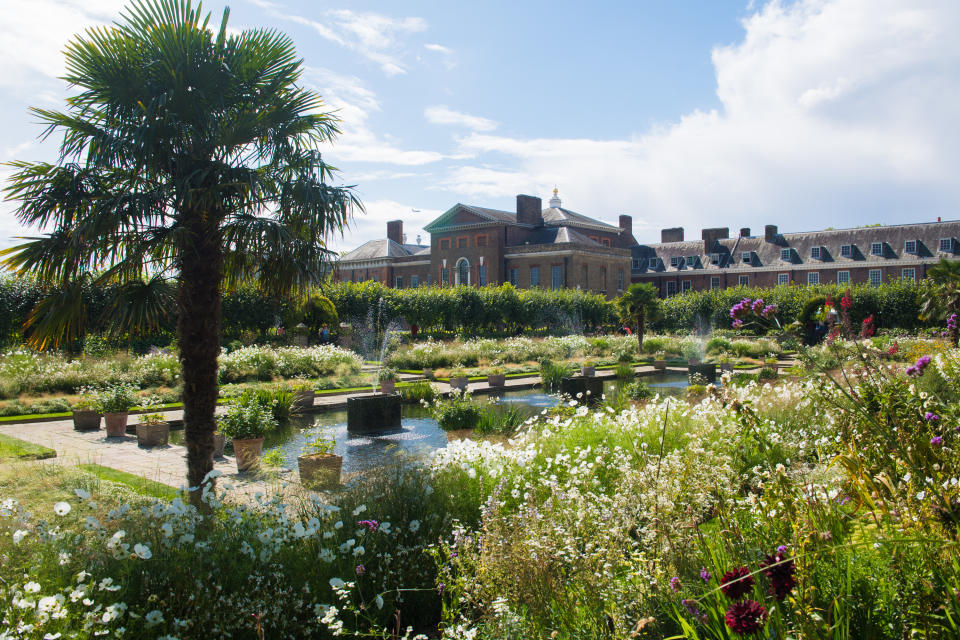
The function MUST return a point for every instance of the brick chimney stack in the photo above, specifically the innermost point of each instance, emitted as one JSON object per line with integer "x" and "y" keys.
{"x": 710, "y": 237}
{"x": 395, "y": 231}
{"x": 626, "y": 223}
{"x": 529, "y": 210}
{"x": 770, "y": 233}
{"x": 674, "y": 234}
{"x": 744, "y": 232}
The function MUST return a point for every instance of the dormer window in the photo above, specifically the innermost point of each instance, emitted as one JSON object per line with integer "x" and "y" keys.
{"x": 714, "y": 258}
{"x": 876, "y": 248}
{"x": 910, "y": 246}
{"x": 815, "y": 252}
{"x": 947, "y": 245}
{"x": 786, "y": 255}
{"x": 846, "y": 251}
{"x": 654, "y": 263}
{"x": 675, "y": 261}
{"x": 746, "y": 256}
{"x": 691, "y": 261}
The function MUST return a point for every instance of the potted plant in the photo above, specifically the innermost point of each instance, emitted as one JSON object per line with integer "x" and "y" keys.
{"x": 114, "y": 402}
{"x": 303, "y": 395}
{"x": 496, "y": 377}
{"x": 660, "y": 361}
{"x": 588, "y": 369}
{"x": 319, "y": 466}
{"x": 246, "y": 422}
{"x": 152, "y": 430}
{"x": 388, "y": 379}
{"x": 86, "y": 416}
{"x": 458, "y": 379}
{"x": 428, "y": 373}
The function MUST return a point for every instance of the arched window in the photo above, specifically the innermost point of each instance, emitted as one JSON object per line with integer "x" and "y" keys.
{"x": 463, "y": 271}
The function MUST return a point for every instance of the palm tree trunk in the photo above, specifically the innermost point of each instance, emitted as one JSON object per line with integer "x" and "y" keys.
{"x": 198, "y": 329}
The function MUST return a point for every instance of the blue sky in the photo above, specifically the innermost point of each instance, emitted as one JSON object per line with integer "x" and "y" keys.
{"x": 804, "y": 114}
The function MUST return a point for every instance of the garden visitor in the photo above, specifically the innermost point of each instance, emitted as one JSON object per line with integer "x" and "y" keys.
{"x": 324, "y": 334}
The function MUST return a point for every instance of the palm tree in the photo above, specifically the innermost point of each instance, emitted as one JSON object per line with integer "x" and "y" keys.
{"x": 940, "y": 295}
{"x": 639, "y": 304}
{"x": 186, "y": 153}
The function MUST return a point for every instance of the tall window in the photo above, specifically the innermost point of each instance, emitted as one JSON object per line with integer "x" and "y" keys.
{"x": 398, "y": 282}
{"x": 444, "y": 275}
{"x": 444, "y": 243}
{"x": 908, "y": 274}
{"x": 515, "y": 276}
{"x": 671, "y": 288}
{"x": 414, "y": 281}
{"x": 715, "y": 282}
{"x": 534, "y": 276}
{"x": 813, "y": 277}
{"x": 686, "y": 285}
{"x": 843, "y": 277}
{"x": 482, "y": 275}
{"x": 783, "y": 278}
{"x": 620, "y": 280}
{"x": 603, "y": 278}
{"x": 556, "y": 277}
{"x": 463, "y": 271}
{"x": 875, "y": 276}
{"x": 585, "y": 276}
{"x": 743, "y": 281}
{"x": 462, "y": 242}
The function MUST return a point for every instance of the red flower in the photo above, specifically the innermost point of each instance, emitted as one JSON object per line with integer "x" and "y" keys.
{"x": 746, "y": 617}
{"x": 736, "y": 583}
{"x": 780, "y": 573}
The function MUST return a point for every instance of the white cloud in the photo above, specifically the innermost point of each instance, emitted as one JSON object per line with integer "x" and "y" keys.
{"x": 833, "y": 112}
{"x": 447, "y": 55}
{"x": 372, "y": 224}
{"x": 354, "y": 103}
{"x": 441, "y": 114}
{"x": 374, "y": 36}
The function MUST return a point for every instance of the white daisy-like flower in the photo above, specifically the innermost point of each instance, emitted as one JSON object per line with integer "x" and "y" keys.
{"x": 414, "y": 526}
{"x": 19, "y": 535}
{"x": 142, "y": 551}
{"x": 337, "y": 583}
{"x": 32, "y": 587}
{"x": 61, "y": 508}
{"x": 155, "y": 617}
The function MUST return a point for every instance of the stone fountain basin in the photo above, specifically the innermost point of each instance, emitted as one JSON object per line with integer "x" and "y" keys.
{"x": 375, "y": 413}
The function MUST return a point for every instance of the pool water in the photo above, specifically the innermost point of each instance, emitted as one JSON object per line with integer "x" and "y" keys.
{"x": 419, "y": 433}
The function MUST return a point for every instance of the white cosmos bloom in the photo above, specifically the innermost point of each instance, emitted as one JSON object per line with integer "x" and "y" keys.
{"x": 143, "y": 551}
{"x": 154, "y": 617}
{"x": 19, "y": 535}
{"x": 414, "y": 526}
{"x": 337, "y": 583}
{"x": 31, "y": 587}
{"x": 61, "y": 508}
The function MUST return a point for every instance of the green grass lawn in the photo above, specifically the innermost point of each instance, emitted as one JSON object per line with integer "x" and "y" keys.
{"x": 16, "y": 449}
{"x": 139, "y": 484}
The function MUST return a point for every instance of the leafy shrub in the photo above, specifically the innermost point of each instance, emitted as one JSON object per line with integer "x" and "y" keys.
{"x": 551, "y": 373}
{"x": 624, "y": 371}
{"x": 456, "y": 412}
{"x": 247, "y": 418}
{"x": 417, "y": 391}
{"x": 638, "y": 390}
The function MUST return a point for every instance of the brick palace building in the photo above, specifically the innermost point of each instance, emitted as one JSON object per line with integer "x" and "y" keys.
{"x": 557, "y": 248}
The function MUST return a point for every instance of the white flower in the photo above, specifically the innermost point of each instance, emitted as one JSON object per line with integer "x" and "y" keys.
{"x": 61, "y": 508}
{"x": 167, "y": 529}
{"x": 338, "y": 525}
{"x": 63, "y": 558}
{"x": 31, "y": 587}
{"x": 107, "y": 585}
{"x": 154, "y": 617}
{"x": 327, "y": 555}
{"x": 414, "y": 526}
{"x": 337, "y": 583}
{"x": 142, "y": 551}
{"x": 51, "y": 636}
{"x": 379, "y": 602}
{"x": 19, "y": 535}
{"x": 359, "y": 509}
{"x": 359, "y": 551}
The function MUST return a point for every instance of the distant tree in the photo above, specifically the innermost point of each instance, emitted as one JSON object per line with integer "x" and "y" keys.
{"x": 187, "y": 153}
{"x": 639, "y": 305}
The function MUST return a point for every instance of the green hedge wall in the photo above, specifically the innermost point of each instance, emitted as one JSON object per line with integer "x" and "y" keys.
{"x": 475, "y": 311}
{"x": 893, "y": 305}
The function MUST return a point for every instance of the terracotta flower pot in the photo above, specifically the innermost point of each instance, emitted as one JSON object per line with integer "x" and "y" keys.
{"x": 153, "y": 434}
{"x": 303, "y": 399}
{"x": 587, "y": 371}
{"x": 321, "y": 471}
{"x": 86, "y": 420}
{"x": 459, "y": 383}
{"x": 428, "y": 373}
{"x": 497, "y": 379}
{"x": 660, "y": 365}
{"x": 248, "y": 453}
{"x": 116, "y": 424}
{"x": 387, "y": 386}
{"x": 219, "y": 442}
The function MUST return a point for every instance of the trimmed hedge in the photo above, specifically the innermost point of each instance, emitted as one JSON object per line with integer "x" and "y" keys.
{"x": 479, "y": 311}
